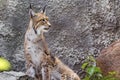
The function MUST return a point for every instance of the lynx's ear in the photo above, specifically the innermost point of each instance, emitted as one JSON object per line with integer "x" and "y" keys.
{"x": 44, "y": 9}
{"x": 31, "y": 12}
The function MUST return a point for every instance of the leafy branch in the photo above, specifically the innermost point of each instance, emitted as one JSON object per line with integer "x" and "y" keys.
{"x": 93, "y": 72}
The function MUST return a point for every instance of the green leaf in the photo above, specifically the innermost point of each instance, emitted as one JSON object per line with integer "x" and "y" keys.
{"x": 92, "y": 70}
{"x": 112, "y": 73}
{"x": 92, "y": 59}
{"x": 84, "y": 65}
{"x": 99, "y": 75}
{"x": 98, "y": 70}
{"x": 86, "y": 78}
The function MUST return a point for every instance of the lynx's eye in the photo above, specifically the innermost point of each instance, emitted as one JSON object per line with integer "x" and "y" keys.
{"x": 43, "y": 20}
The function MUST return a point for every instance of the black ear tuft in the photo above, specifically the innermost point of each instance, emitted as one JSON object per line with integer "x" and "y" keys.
{"x": 30, "y": 6}
{"x": 44, "y": 8}
{"x": 31, "y": 12}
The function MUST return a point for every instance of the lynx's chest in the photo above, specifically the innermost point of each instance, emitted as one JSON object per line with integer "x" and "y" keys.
{"x": 33, "y": 49}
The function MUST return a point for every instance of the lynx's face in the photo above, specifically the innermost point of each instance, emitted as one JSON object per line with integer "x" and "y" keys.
{"x": 40, "y": 22}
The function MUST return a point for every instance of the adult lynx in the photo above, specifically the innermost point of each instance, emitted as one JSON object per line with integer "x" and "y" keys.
{"x": 34, "y": 43}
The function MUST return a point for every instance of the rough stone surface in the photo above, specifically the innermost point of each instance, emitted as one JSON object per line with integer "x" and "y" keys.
{"x": 79, "y": 28}
{"x": 11, "y": 75}
{"x": 109, "y": 59}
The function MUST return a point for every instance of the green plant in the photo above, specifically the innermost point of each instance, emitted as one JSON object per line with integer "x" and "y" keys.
{"x": 93, "y": 72}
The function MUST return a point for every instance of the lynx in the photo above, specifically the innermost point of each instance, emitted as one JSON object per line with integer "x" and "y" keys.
{"x": 34, "y": 44}
{"x": 40, "y": 64}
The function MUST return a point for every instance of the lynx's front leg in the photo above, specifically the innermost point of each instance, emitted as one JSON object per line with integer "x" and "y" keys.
{"x": 30, "y": 71}
{"x": 45, "y": 72}
{"x": 38, "y": 75}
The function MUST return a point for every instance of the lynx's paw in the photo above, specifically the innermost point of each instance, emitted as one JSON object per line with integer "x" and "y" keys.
{"x": 31, "y": 72}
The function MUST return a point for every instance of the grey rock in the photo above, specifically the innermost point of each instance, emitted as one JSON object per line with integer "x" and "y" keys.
{"x": 79, "y": 28}
{"x": 12, "y": 75}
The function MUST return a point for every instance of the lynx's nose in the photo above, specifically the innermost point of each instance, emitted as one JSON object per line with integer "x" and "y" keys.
{"x": 49, "y": 26}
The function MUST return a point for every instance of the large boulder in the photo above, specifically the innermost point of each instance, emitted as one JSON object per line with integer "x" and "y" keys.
{"x": 79, "y": 28}
{"x": 109, "y": 59}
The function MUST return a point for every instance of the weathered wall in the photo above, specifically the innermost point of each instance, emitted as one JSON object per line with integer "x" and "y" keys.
{"x": 79, "y": 28}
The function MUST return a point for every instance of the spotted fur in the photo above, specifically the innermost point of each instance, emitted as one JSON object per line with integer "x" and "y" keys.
{"x": 60, "y": 71}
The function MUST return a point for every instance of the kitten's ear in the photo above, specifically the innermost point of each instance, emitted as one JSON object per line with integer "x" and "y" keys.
{"x": 31, "y": 12}
{"x": 44, "y": 9}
